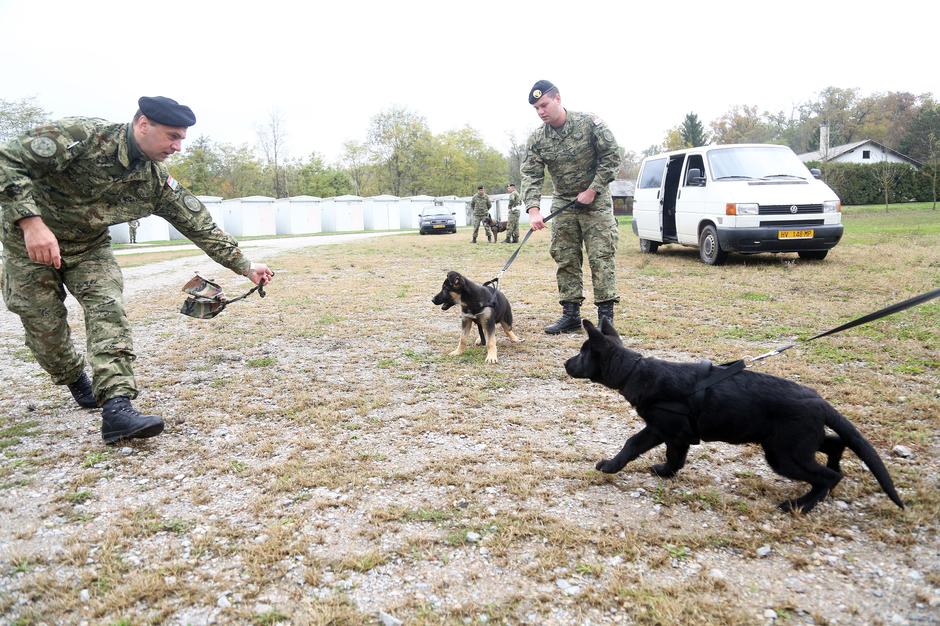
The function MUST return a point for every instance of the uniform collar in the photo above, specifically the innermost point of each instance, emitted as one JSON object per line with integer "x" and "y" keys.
{"x": 128, "y": 152}
{"x": 562, "y": 130}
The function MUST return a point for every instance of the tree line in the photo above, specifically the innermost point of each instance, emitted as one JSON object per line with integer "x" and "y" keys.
{"x": 399, "y": 154}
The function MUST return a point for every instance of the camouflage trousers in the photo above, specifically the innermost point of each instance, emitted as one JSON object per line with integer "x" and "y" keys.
{"x": 512, "y": 225}
{"x": 37, "y": 292}
{"x": 477, "y": 219}
{"x": 593, "y": 231}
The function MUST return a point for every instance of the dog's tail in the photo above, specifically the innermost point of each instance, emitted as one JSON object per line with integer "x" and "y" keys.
{"x": 864, "y": 450}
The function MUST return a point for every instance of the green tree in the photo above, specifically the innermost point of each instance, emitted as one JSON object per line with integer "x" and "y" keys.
{"x": 18, "y": 116}
{"x": 315, "y": 178}
{"x": 398, "y": 140}
{"x": 692, "y": 131}
{"x": 355, "y": 160}
{"x": 743, "y": 124}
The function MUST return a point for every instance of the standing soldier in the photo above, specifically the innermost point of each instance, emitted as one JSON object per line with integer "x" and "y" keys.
{"x": 582, "y": 157}
{"x": 512, "y": 222}
{"x": 480, "y": 207}
{"x": 132, "y": 230}
{"x": 61, "y": 186}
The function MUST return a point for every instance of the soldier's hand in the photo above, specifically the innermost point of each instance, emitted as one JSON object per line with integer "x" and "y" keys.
{"x": 41, "y": 244}
{"x": 535, "y": 218}
{"x": 260, "y": 274}
{"x": 586, "y": 197}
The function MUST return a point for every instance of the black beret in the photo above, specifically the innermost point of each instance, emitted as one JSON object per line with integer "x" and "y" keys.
{"x": 539, "y": 89}
{"x": 511, "y": 185}
{"x": 480, "y": 187}
{"x": 166, "y": 111}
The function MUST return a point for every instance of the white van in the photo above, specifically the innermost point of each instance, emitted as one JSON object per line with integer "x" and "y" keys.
{"x": 744, "y": 198}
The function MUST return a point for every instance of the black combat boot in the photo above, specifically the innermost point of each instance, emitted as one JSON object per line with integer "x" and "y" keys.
{"x": 81, "y": 391}
{"x": 120, "y": 420}
{"x": 569, "y": 321}
{"x": 605, "y": 309}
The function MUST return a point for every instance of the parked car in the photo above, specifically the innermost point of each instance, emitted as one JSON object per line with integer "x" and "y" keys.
{"x": 744, "y": 198}
{"x": 434, "y": 219}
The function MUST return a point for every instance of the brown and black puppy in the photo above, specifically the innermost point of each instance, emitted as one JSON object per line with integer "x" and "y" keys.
{"x": 484, "y": 306}
{"x": 787, "y": 419}
{"x": 496, "y": 227}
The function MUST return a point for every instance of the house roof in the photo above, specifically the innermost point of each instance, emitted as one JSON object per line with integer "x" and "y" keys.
{"x": 837, "y": 151}
{"x": 621, "y": 188}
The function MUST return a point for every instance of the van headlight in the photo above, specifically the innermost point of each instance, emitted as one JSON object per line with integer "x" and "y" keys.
{"x": 741, "y": 209}
{"x": 832, "y": 206}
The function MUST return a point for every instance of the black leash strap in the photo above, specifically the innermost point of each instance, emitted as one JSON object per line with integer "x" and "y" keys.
{"x": 512, "y": 257}
{"x": 258, "y": 288}
{"x": 888, "y": 310}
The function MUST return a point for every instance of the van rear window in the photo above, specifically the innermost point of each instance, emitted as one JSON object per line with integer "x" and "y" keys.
{"x": 651, "y": 177}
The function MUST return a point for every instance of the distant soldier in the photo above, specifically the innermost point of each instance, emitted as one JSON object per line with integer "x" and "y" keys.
{"x": 582, "y": 157}
{"x": 512, "y": 222}
{"x": 61, "y": 186}
{"x": 132, "y": 230}
{"x": 479, "y": 208}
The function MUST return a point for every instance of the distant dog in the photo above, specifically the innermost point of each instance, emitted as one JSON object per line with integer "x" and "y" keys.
{"x": 496, "y": 227}
{"x": 787, "y": 419}
{"x": 484, "y": 306}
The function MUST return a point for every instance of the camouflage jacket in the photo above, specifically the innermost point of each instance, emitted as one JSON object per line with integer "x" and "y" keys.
{"x": 514, "y": 199}
{"x": 77, "y": 174}
{"x": 480, "y": 204}
{"x": 581, "y": 154}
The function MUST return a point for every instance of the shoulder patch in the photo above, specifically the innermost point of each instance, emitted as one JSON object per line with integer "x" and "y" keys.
{"x": 192, "y": 203}
{"x": 44, "y": 147}
{"x": 172, "y": 183}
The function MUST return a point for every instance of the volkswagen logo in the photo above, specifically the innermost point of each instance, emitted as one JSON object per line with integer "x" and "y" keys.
{"x": 794, "y": 209}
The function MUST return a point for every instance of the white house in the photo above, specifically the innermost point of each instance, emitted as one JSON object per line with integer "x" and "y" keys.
{"x": 865, "y": 151}
{"x": 298, "y": 215}
{"x": 343, "y": 214}
{"x": 250, "y": 217}
{"x": 381, "y": 212}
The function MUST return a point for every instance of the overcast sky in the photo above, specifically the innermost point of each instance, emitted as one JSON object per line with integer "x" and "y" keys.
{"x": 328, "y": 67}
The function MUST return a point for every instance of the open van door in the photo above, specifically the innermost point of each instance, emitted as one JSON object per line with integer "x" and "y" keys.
{"x": 669, "y": 195}
{"x": 647, "y": 220}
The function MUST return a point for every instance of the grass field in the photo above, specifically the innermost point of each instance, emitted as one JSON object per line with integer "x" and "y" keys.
{"x": 326, "y": 461}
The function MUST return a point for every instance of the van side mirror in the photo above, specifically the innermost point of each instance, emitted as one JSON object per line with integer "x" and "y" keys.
{"x": 816, "y": 172}
{"x": 694, "y": 178}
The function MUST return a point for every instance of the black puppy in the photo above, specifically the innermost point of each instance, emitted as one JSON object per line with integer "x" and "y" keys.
{"x": 483, "y": 306}
{"x": 787, "y": 419}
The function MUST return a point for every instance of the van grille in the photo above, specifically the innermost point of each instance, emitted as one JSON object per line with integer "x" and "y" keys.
{"x": 784, "y": 209}
{"x": 793, "y": 223}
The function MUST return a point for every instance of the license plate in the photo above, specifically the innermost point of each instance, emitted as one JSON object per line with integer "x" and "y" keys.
{"x": 795, "y": 234}
{"x": 438, "y": 226}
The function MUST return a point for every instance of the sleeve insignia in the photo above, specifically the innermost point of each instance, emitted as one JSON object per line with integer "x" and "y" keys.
{"x": 192, "y": 203}
{"x": 172, "y": 183}
{"x": 44, "y": 147}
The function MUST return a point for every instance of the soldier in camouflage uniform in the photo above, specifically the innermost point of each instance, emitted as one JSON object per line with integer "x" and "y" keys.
{"x": 582, "y": 157}
{"x": 61, "y": 186}
{"x": 512, "y": 222}
{"x": 132, "y": 226}
{"x": 479, "y": 208}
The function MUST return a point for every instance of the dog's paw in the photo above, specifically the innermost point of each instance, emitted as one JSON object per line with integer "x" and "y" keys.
{"x": 790, "y": 506}
{"x": 456, "y": 352}
{"x": 478, "y": 342}
{"x": 664, "y": 470}
{"x": 492, "y": 359}
{"x": 606, "y": 466}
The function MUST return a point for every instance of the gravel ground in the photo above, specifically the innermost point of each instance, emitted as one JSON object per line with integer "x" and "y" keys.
{"x": 423, "y": 504}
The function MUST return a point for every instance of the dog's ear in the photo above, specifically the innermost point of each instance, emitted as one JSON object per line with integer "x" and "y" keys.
{"x": 595, "y": 336}
{"x": 454, "y": 279}
{"x": 607, "y": 327}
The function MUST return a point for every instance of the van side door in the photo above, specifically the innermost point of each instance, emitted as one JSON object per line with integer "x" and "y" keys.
{"x": 690, "y": 204}
{"x": 647, "y": 194}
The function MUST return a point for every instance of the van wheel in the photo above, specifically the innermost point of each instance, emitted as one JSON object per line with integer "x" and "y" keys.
{"x": 708, "y": 248}
{"x": 813, "y": 255}
{"x": 648, "y": 247}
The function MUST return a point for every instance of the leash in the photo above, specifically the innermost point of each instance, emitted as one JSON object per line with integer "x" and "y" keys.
{"x": 512, "y": 257}
{"x": 888, "y": 310}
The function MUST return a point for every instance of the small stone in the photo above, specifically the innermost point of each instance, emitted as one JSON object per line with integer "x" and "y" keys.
{"x": 179, "y": 477}
{"x": 473, "y": 537}
{"x": 763, "y": 551}
{"x": 483, "y": 618}
{"x": 261, "y": 608}
{"x": 223, "y": 602}
{"x": 389, "y": 620}
{"x": 562, "y": 584}
{"x": 716, "y": 574}
{"x": 84, "y": 595}
{"x": 127, "y": 451}
{"x": 770, "y": 614}
{"x": 902, "y": 451}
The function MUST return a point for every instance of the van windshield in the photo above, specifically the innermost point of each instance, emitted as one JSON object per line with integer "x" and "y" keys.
{"x": 756, "y": 162}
